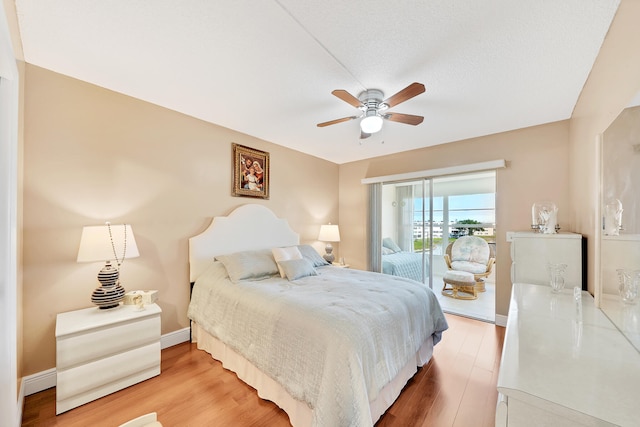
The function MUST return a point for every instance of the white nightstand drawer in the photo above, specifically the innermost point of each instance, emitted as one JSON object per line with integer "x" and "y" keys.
{"x": 83, "y": 378}
{"x": 87, "y": 346}
{"x": 102, "y": 351}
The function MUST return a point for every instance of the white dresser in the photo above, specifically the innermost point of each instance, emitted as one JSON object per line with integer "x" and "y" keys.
{"x": 560, "y": 368}
{"x": 531, "y": 252}
{"x": 99, "y": 352}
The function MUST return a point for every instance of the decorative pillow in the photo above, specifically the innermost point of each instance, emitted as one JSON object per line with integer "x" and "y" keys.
{"x": 297, "y": 268}
{"x": 249, "y": 265}
{"x": 387, "y": 251}
{"x": 469, "y": 266}
{"x": 459, "y": 276}
{"x": 473, "y": 249}
{"x": 388, "y": 242}
{"x": 312, "y": 256}
{"x": 284, "y": 254}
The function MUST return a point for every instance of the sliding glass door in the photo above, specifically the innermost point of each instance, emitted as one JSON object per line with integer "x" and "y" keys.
{"x": 419, "y": 218}
{"x": 405, "y": 229}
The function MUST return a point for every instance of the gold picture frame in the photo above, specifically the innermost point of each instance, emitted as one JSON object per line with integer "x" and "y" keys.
{"x": 250, "y": 172}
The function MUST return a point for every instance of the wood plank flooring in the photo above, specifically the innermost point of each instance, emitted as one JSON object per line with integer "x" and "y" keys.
{"x": 456, "y": 388}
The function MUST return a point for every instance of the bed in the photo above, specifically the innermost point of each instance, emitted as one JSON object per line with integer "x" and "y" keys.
{"x": 328, "y": 345}
{"x": 397, "y": 262}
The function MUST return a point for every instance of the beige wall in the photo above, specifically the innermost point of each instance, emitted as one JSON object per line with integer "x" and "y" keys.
{"x": 613, "y": 82}
{"x": 92, "y": 155}
{"x": 537, "y": 169}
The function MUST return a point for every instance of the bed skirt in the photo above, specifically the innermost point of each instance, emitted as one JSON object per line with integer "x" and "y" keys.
{"x": 300, "y": 414}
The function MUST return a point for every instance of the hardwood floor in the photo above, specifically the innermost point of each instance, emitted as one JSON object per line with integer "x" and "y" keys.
{"x": 456, "y": 388}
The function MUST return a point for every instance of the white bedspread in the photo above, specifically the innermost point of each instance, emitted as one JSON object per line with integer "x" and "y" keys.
{"x": 332, "y": 341}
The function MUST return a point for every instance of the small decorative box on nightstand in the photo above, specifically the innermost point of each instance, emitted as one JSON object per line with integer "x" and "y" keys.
{"x": 99, "y": 352}
{"x": 146, "y": 297}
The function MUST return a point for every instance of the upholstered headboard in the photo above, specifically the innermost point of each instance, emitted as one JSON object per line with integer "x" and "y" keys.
{"x": 248, "y": 227}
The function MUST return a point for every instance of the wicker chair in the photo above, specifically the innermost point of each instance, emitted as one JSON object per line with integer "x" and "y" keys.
{"x": 473, "y": 255}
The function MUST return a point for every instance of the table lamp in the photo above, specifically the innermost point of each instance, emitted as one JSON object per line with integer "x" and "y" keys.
{"x": 107, "y": 243}
{"x": 329, "y": 233}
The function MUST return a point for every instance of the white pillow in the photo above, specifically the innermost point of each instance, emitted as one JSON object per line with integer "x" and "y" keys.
{"x": 285, "y": 254}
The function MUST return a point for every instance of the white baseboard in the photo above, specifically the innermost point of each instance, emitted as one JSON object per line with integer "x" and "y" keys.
{"x": 501, "y": 320}
{"x": 175, "y": 338}
{"x": 39, "y": 381}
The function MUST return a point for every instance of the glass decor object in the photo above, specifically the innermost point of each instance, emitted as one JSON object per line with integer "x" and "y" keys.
{"x": 544, "y": 217}
{"x": 612, "y": 217}
{"x": 628, "y": 283}
{"x": 556, "y": 276}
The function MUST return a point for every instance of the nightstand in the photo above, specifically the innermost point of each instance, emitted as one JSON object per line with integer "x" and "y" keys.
{"x": 99, "y": 352}
{"x": 337, "y": 264}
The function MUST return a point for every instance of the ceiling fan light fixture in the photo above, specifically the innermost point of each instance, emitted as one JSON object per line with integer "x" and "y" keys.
{"x": 371, "y": 123}
{"x": 373, "y": 107}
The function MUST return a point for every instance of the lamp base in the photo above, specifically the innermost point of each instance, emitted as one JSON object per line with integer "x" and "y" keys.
{"x": 106, "y": 297}
{"x": 111, "y": 292}
{"x": 329, "y": 256}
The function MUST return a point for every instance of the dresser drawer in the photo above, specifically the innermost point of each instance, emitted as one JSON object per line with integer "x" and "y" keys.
{"x": 95, "y": 344}
{"x": 84, "y": 378}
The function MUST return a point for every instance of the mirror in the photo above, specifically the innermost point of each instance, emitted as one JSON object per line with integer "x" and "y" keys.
{"x": 620, "y": 232}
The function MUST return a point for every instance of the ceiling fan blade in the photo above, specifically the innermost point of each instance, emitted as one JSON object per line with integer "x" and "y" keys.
{"x": 347, "y": 97}
{"x": 414, "y": 89}
{"x": 408, "y": 119}
{"x": 333, "y": 122}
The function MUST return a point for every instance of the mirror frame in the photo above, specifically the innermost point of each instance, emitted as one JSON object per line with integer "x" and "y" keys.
{"x": 632, "y": 312}
{"x": 598, "y": 223}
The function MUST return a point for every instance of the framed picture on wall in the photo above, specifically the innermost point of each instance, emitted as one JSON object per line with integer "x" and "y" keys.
{"x": 250, "y": 172}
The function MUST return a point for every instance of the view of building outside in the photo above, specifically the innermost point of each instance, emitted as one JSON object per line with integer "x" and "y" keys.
{"x": 468, "y": 214}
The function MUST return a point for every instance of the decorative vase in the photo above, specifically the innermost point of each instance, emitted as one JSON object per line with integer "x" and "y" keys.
{"x": 628, "y": 283}
{"x": 556, "y": 277}
{"x": 544, "y": 216}
{"x": 612, "y": 217}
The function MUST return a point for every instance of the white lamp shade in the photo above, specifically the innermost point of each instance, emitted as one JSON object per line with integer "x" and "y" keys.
{"x": 95, "y": 243}
{"x": 371, "y": 124}
{"x": 329, "y": 233}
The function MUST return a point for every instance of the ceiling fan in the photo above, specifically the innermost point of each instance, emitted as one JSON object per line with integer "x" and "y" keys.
{"x": 374, "y": 108}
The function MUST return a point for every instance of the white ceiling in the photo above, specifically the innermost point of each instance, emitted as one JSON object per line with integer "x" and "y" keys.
{"x": 267, "y": 68}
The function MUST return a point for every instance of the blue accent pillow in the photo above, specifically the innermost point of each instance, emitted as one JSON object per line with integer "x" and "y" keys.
{"x": 387, "y": 251}
{"x": 249, "y": 265}
{"x": 312, "y": 256}
{"x": 388, "y": 242}
{"x": 297, "y": 268}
